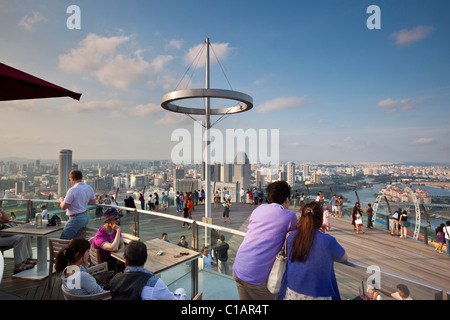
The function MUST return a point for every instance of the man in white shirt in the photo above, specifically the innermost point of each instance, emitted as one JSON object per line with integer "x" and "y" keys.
{"x": 78, "y": 197}
{"x": 44, "y": 212}
{"x": 447, "y": 236}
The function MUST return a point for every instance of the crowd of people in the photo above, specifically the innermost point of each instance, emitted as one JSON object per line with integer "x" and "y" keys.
{"x": 311, "y": 249}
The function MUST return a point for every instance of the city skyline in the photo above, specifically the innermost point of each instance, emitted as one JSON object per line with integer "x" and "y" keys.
{"x": 336, "y": 90}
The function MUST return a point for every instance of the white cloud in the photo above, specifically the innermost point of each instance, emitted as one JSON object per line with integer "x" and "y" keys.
{"x": 174, "y": 44}
{"x": 120, "y": 71}
{"x": 410, "y": 36}
{"x": 113, "y": 108}
{"x": 173, "y": 119}
{"x": 423, "y": 141}
{"x": 101, "y": 57}
{"x": 392, "y": 106}
{"x": 28, "y": 23}
{"x": 158, "y": 64}
{"x": 112, "y": 63}
{"x": 219, "y": 51}
{"x": 282, "y": 103}
{"x": 94, "y": 106}
{"x": 90, "y": 53}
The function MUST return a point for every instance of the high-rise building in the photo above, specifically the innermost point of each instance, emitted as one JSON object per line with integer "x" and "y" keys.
{"x": 20, "y": 187}
{"x": 241, "y": 170}
{"x": 65, "y": 166}
{"x": 290, "y": 173}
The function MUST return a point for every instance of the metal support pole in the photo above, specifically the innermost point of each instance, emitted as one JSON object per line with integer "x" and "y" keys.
{"x": 207, "y": 147}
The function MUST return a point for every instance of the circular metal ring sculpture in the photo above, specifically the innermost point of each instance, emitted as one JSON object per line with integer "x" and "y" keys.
{"x": 415, "y": 201}
{"x": 168, "y": 100}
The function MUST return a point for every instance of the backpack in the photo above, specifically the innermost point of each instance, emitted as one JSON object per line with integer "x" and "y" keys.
{"x": 53, "y": 221}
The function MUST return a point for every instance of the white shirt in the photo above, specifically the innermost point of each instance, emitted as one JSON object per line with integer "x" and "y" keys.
{"x": 78, "y": 198}
{"x": 44, "y": 214}
{"x": 446, "y": 230}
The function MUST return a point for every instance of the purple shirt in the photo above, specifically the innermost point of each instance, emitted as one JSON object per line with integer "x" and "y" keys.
{"x": 266, "y": 231}
{"x": 100, "y": 238}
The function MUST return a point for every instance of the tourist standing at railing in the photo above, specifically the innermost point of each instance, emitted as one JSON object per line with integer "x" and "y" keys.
{"x": 355, "y": 211}
{"x": 77, "y": 199}
{"x": 403, "y": 224}
{"x": 394, "y": 221}
{"x": 440, "y": 238}
{"x": 340, "y": 205}
{"x": 310, "y": 259}
{"x": 446, "y": 231}
{"x": 222, "y": 255}
{"x": 99, "y": 209}
{"x": 44, "y": 212}
{"x": 334, "y": 208}
{"x": 142, "y": 201}
{"x": 267, "y": 228}
{"x": 369, "y": 216}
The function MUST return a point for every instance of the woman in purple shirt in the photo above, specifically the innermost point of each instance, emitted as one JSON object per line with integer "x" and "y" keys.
{"x": 266, "y": 232}
{"x": 311, "y": 255}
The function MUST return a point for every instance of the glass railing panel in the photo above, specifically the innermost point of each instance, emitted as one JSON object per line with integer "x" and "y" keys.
{"x": 354, "y": 280}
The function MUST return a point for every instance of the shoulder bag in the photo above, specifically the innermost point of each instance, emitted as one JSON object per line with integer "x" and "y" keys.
{"x": 278, "y": 269}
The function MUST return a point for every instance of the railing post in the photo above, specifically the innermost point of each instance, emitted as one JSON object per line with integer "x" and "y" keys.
{"x": 136, "y": 223}
{"x": 29, "y": 206}
{"x": 425, "y": 235}
{"x": 387, "y": 222}
{"x": 194, "y": 241}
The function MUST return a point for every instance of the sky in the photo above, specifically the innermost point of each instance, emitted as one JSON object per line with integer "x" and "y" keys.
{"x": 326, "y": 85}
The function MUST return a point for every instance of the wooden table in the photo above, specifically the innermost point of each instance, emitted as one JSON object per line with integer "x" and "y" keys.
{"x": 170, "y": 258}
{"x": 40, "y": 271}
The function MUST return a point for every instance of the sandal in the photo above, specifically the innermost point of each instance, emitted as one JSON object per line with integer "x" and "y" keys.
{"x": 29, "y": 261}
{"x": 23, "y": 266}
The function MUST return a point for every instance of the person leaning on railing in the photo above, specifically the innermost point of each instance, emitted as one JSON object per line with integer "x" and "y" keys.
{"x": 310, "y": 259}
{"x": 266, "y": 232}
{"x": 78, "y": 197}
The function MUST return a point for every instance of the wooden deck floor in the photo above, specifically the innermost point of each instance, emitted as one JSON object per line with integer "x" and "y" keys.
{"x": 404, "y": 257}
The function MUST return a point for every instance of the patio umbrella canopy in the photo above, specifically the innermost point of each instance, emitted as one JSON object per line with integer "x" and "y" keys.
{"x": 18, "y": 85}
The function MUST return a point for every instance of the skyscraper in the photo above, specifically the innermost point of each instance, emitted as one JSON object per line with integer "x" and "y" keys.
{"x": 291, "y": 173}
{"x": 241, "y": 170}
{"x": 65, "y": 166}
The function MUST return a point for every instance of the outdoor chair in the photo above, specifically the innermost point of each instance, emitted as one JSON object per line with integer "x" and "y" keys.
{"x": 98, "y": 296}
{"x": 88, "y": 233}
{"x": 94, "y": 256}
{"x": 54, "y": 246}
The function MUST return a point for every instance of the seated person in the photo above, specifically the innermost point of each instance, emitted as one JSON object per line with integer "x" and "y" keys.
{"x": 136, "y": 282}
{"x": 402, "y": 293}
{"x": 22, "y": 252}
{"x": 109, "y": 239}
{"x": 71, "y": 262}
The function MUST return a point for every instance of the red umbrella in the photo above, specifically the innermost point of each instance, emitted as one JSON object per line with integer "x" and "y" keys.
{"x": 18, "y": 85}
